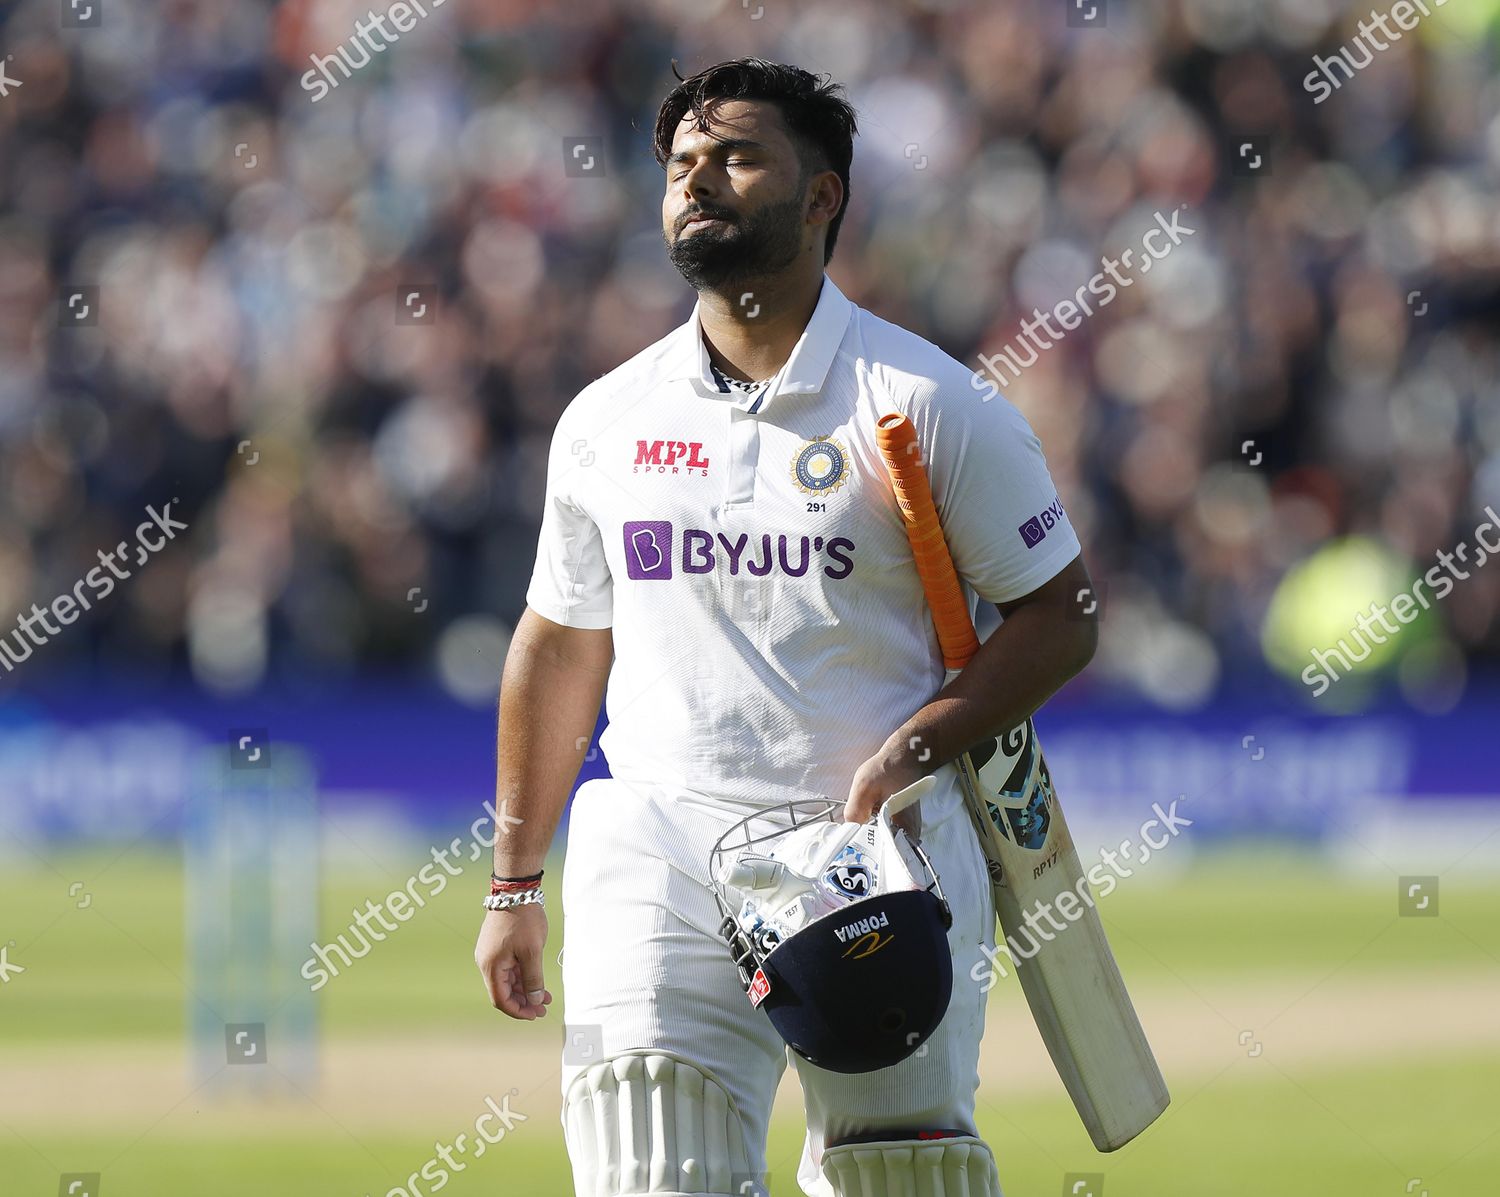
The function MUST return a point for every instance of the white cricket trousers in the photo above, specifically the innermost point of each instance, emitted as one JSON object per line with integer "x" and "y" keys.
{"x": 643, "y": 962}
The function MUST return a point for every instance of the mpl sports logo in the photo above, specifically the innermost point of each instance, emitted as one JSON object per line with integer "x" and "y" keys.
{"x": 651, "y": 547}
{"x": 1034, "y": 530}
{"x": 662, "y": 457}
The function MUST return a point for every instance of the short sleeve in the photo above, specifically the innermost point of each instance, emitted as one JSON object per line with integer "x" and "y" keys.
{"x": 1002, "y": 516}
{"x": 570, "y": 582}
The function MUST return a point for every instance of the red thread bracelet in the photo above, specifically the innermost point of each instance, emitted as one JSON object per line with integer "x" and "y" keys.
{"x": 512, "y": 885}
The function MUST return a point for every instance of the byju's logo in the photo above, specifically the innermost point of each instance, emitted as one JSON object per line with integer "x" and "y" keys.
{"x": 1036, "y": 528}
{"x": 648, "y": 549}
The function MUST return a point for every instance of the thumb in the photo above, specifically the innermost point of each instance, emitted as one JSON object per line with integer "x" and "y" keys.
{"x": 855, "y": 810}
{"x": 532, "y": 978}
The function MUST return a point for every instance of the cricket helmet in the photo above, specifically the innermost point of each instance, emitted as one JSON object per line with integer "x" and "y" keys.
{"x": 838, "y": 930}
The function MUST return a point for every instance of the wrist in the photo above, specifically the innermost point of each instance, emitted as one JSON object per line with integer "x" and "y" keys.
{"x": 513, "y": 901}
{"x": 516, "y": 868}
{"x": 507, "y": 893}
{"x": 907, "y": 753}
{"x": 515, "y": 879}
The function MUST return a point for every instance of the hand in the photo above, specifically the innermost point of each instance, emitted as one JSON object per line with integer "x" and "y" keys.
{"x": 509, "y": 956}
{"x": 888, "y": 772}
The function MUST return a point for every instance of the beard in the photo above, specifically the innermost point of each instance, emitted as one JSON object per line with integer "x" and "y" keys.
{"x": 743, "y": 249}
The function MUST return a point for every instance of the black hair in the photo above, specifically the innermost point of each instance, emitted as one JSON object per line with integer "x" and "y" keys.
{"x": 820, "y": 120}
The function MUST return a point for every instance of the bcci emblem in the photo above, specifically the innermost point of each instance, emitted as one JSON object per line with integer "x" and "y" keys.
{"x": 820, "y": 466}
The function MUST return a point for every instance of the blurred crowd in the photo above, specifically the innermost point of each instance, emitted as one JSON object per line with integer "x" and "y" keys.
{"x": 206, "y": 272}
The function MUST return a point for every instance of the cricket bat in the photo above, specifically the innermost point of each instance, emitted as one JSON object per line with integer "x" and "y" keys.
{"x": 1071, "y": 981}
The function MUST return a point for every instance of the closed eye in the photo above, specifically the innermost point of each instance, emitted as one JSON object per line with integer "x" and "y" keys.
{"x": 678, "y": 175}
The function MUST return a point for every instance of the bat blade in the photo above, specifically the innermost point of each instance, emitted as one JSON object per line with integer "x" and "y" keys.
{"x": 1057, "y": 944}
{"x": 1071, "y": 981}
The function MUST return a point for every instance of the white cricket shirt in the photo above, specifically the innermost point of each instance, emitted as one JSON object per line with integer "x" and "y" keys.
{"x": 770, "y": 630}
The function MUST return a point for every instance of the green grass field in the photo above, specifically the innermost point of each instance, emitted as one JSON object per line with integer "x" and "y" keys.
{"x": 1315, "y": 1044}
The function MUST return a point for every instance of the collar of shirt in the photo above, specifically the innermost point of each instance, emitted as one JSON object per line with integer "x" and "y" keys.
{"x": 804, "y": 372}
{"x": 724, "y": 382}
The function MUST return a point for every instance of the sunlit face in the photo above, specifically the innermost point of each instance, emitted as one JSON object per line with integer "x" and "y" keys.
{"x": 736, "y": 204}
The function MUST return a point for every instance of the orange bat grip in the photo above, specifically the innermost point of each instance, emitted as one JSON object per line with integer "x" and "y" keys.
{"x": 897, "y": 438}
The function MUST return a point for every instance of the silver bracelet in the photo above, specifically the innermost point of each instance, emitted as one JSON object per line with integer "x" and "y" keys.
{"x": 525, "y": 897}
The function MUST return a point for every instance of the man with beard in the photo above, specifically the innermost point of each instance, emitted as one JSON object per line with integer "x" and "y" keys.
{"x": 721, "y": 546}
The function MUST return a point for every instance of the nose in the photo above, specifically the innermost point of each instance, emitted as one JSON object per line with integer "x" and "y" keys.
{"x": 698, "y": 191}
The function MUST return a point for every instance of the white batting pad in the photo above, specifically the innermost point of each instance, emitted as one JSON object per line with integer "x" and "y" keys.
{"x": 958, "y": 1167}
{"x": 647, "y": 1122}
